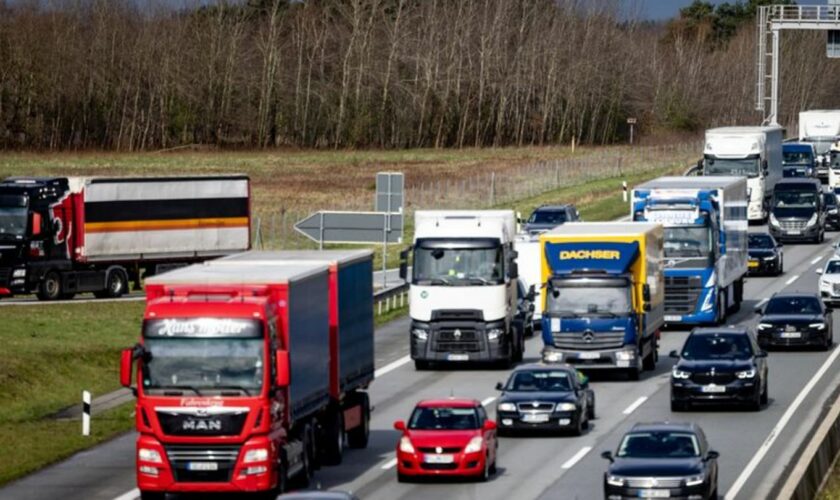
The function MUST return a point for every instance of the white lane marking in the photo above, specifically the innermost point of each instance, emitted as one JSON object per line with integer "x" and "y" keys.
{"x": 488, "y": 401}
{"x": 576, "y": 458}
{"x": 792, "y": 279}
{"x": 393, "y": 365}
{"x": 762, "y": 301}
{"x": 780, "y": 426}
{"x": 639, "y": 402}
{"x": 389, "y": 464}
{"x": 129, "y": 495}
{"x": 817, "y": 259}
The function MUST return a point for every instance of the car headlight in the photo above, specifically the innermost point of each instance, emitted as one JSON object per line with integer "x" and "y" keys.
{"x": 812, "y": 220}
{"x": 494, "y": 333}
{"x": 615, "y": 480}
{"x": 149, "y": 455}
{"x": 773, "y": 220}
{"x": 694, "y": 480}
{"x": 680, "y": 374}
{"x": 746, "y": 373}
{"x": 507, "y": 407}
{"x": 832, "y": 211}
{"x": 764, "y": 326}
{"x": 405, "y": 445}
{"x": 474, "y": 446}
{"x": 818, "y": 326}
{"x": 566, "y": 407}
{"x": 256, "y": 455}
{"x": 19, "y": 273}
{"x": 772, "y": 257}
{"x": 420, "y": 334}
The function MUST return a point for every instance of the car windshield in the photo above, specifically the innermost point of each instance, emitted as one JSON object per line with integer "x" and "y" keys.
{"x": 830, "y": 200}
{"x": 548, "y": 217}
{"x": 13, "y": 215}
{"x": 690, "y": 241}
{"x": 659, "y": 445}
{"x": 833, "y": 267}
{"x": 793, "y": 305}
{"x": 796, "y": 158}
{"x": 795, "y": 199}
{"x": 443, "y": 418}
{"x": 760, "y": 241}
{"x": 458, "y": 266}
{"x": 539, "y": 381}
{"x": 747, "y": 167}
{"x": 582, "y": 298}
{"x": 717, "y": 346}
{"x": 203, "y": 355}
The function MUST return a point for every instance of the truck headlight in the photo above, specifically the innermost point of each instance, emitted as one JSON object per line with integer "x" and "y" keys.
{"x": 420, "y": 334}
{"x": 256, "y": 455}
{"x": 680, "y": 374}
{"x": 818, "y": 326}
{"x": 812, "y": 220}
{"x": 625, "y": 355}
{"x": 773, "y": 220}
{"x": 746, "y": 373}
{"x": 494, "y": 333}
{"x": 694, "y": 480}
{"x": 566, "y": 407}
{"x": 19, "y": 273}
{"x": 474, "y": 446}
{"x": 552, "y": 357}
{"x": 507, "y": 407}
{"x": 149, "y": 455}
{"x": 405, "y": 445}
{"x": 615, "y": 480}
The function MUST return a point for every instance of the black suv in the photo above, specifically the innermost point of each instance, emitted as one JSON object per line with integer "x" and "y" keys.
{"x": 548, "y": 217}
{"x": 662, "y": 460}
{"x": 795, "y": 319}
{"x": 719, "y": 365}
{"x": 765, "y": 254}
{"x": 832, "y": 214}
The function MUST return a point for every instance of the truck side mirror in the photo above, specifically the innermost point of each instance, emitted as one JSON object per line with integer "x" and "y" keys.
{"x": 532, "y": 293}
{"x": 764, "y": 167}
{"x": 36, "y": 224}
{"x": 281, "y": 375}
{"x": 646, "y": 293}
{"x": 514, "y": 270}
{"x": 646, "y": 307}
{"x": 126, "y": 359}
{"x": 404, "y": 264}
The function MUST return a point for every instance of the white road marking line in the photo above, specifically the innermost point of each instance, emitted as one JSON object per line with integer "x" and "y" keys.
{"x": 389, "y": 464}
{"x": 762, "y": 301}
{"x": 639, "y": 402}
{"x": 576, "y": 458}
{"x": 817, "y": 259}
{"x": 129, "y": 495}
{"x": 780, "y": 426}
{"x": 488, "y": 401}
{"x": 792, "y": 279}
{"x": 391, "y": 366}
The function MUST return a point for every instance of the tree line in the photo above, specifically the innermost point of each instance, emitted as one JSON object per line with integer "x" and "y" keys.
{"x": 138, "y": 74}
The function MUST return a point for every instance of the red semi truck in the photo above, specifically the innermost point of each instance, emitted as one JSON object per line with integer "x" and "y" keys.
{"x": 251, "y": 372}
{"x": 60, "y": 236}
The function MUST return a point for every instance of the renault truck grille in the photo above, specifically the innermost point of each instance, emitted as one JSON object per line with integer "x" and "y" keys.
{"x": 681, "y": 294}
{"x": 184, "y": 459}
{"x": 457, "y": 340}
{"x": 588, "y": 341}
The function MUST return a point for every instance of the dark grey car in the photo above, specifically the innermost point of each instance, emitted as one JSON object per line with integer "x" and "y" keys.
{"x": 548, "y": 217}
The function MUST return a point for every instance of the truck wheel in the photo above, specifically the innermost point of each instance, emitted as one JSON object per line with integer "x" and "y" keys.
{"x": 152, "y": 495}
{"x": 358, "y": 437}
{"x": 421, "y": 365}
{"x": 634, "y": 374}
{"x": 519, "y": 353}
{"x": 649, "y": 361}
{"x": 116, "y": 284}
{"x": 50, "y": 287}
{"x": 333, "y": 444}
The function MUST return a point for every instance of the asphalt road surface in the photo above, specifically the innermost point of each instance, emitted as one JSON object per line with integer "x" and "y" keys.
{"x": 754, "y": 447}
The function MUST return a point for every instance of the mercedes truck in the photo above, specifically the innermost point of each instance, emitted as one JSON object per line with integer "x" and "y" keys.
{"x": 604, "y": 298}
{"x": 706, "y": 258}
{"x": 820, "y": 127}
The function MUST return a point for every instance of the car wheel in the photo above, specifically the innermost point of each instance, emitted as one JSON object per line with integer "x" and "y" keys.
{"x": 714, "y": 495}
{"x": 649, "y": 362}
{"x": 764, "y": 395}
{"x": 152, "y": 495}
{"x": 590, "y": 411}
{"x": 421, "y": 365}
{"x": 781, "y": 267}
{"x": 829, "y": 340}
{"x": 485, "y": 472}
{"x": 678, "y": 406}
{"x": 755, "y": 404}
{"x": 493, "y": 468}
{"x": 579, "y": 427}
{"x": 402, "y": 478}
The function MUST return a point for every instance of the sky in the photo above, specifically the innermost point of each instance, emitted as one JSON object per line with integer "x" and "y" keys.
{"x": 664, "y": 9}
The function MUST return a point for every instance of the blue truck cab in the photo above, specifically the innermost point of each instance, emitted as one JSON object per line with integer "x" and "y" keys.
{"x": 798, "y": 160}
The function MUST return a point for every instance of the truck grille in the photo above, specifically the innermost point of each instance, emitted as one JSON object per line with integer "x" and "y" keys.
{"x": 588, "y": 341}
{"x": 457, "y": 340}
{"x": 654, "y": 482}
{"x": 5, "y": 275}
{"x": 175, "y": 424}
{"x": 709, "y": 378}
{"x": 681, "y": 294}
{"x": 223, "y": 456}
{"x": 792, "y": 224}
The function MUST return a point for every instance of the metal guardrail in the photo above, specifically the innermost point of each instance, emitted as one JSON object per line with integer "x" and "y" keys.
{"x": 390, "y": 298}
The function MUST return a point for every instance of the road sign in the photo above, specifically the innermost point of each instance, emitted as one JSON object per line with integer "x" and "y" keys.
{"x": 389, "y": 192}
{"x": 352, "y": 227}
{"x": 631, "y": 121}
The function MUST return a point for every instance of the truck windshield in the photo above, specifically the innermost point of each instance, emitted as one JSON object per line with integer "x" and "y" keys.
{"x": 688, "y": 241}
{"x": 588, "y": 297}
{"x": 458, "y": 266}
{"x": 12, "y": 215}
{"x": 746, "y": 167}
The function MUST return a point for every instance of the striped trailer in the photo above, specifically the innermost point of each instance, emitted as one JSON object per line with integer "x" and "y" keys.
{"x": 70, "y": 235}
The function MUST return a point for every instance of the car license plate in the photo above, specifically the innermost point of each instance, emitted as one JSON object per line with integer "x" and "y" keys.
{"x": 753, "y": 263}
{"x": 589, "y": 355}
{"x": 794, "y": 231}
{"x": 654, "y": 493}
{"x": 791, "y": 335}
{"x": 202, "y": 466}
{"x": 712, "y": 388}
{"x": 535, "y": 419}
{"x": 439, "y": 459}
{"x": 673, "y": 318}
{"x": 458, "y": 357}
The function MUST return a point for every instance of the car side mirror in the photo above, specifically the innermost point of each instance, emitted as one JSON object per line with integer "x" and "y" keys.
{"x": 712, "y": 455}
{"x": 489, "y": 425}
{"x": 584, "y": 382}
{"x": 759, "y": 310}
{"x": 532, "y": 293}
{"x": 674, "y": 354}
{"x": 500, "y": 386}
{"x": 761, "y": 354}
{"x": 818, "y": 271}
{"x": 126, "y": 362}
{"x": 607, "y": 455}
{"x": 399, "y": 425}
{"x": 281, "y": 374}
{"x": 36, "y": 224}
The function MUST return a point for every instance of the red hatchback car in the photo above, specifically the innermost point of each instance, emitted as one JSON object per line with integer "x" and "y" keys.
{"x": 446, "y": 438}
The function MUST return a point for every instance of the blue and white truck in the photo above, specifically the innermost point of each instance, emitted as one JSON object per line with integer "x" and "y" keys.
{"x": 706, "y": 258}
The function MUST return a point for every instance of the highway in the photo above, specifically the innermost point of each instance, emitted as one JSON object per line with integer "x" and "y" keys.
{"x": 755, "y": 447}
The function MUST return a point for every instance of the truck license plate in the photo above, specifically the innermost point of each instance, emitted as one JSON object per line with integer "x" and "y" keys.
{"x": 202, "y": 466}
{"x": 439, "y": 459}
{"x": 791, "y": 335}
{"x": 712, "y": 388}
{"x": 458, "y": 357}
{"x": 535, "y": 419}
{"x": 654, "y": 493}
{"x": 672, "y": 318}
{"x": 589, "y": 355}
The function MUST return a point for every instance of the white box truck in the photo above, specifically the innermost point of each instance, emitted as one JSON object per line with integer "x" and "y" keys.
{"x": 463, "y": 293}
{"x": 529, "y": 260}
{"x": 820, "y": 127}
{"x": 751, "y": 152}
